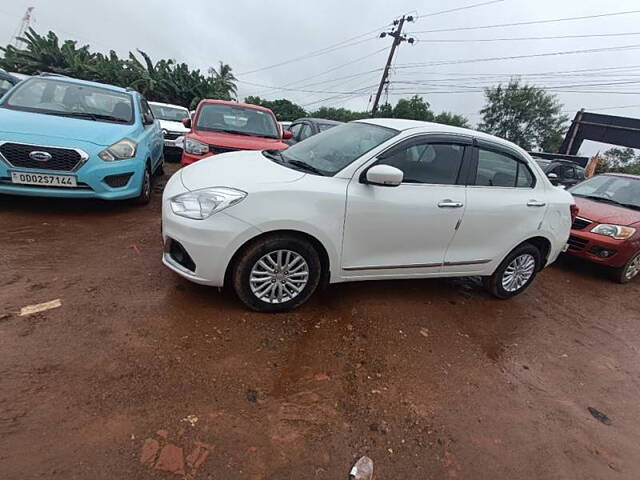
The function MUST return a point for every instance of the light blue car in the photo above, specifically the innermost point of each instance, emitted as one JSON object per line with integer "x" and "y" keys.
{"x": 62, "y": 137}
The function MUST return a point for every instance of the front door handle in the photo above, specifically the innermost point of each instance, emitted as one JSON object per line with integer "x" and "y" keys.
{"x": 450, "y": 204}
{"x": 535, "y": 203}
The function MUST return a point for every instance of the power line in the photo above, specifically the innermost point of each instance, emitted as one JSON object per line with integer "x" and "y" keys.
{"x": 459, "y": 8}
{"x": 552, "y": 37}
{"x": 316, "y": 53}
{"x": 533, "y": 22}
{"x": 514, "y": 57}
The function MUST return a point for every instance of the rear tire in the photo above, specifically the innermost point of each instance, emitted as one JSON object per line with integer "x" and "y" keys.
{"x": 276, "y": 273}
{"x": 515, "y": 273}
{"x": 629, "y": 271}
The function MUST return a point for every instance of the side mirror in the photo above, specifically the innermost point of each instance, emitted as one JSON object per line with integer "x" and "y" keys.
{"x": 287, "y": 134}
{"x": 147, "y": 119}
{"x": 384, "y": 175}
{"x": 553, "y": 177}
{"x": 186, "y": 122}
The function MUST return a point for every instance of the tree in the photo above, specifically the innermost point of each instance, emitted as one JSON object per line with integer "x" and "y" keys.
{"x": 164, "y": 81}
{"x": 454, "y": 119}
{"x": 623, "y": 160}
{"x": 414, "y": 108}
{"x": 525, "y": 115}
{"x": 283, "y": 109}
{"x": 338, "y": 114}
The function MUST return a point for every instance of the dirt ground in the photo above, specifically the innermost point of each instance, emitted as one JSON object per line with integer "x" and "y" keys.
{"x": 142, "y": 375}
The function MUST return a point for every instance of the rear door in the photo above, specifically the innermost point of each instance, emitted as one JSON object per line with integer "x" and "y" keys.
{"x": 505, "y": 205}
{"x": 405, "y": 230}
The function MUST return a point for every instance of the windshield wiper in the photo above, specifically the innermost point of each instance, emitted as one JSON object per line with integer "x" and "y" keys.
{"x": 305, "y": 166}
{"x": 91, "y": 116}
{"x": 603, "y": 199}
{"x": 275, "y": 155}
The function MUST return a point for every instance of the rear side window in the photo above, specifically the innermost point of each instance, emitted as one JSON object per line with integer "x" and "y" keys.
{"x": 433, "y": 163}
{"x": 501, "y": 170}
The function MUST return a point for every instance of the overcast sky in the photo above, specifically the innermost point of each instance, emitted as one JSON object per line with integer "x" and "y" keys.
{"x": 251, "y": 35}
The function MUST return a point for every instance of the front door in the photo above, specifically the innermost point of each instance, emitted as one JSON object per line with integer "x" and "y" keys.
{"x": 406, "y": 229}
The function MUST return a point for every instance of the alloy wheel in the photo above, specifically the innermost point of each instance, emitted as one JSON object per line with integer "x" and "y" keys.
{"x": 279, "y": 276}
{"x": 633, "y": 268}
{"x": 518, "y": 272}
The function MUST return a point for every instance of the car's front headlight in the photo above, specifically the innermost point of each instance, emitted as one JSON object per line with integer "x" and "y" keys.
{"x": 121, "y": 150}
{"x": 201, "y": 204}
{"x": 619, "y": 232}
{"x": 195, "y": 147}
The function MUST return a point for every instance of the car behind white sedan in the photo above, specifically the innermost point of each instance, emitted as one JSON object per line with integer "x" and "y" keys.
{"x": 367, "y": 200}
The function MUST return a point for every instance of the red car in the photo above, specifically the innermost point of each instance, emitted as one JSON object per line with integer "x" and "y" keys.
{"x": 607, "y": 229}
{"x": 219, "y": 126}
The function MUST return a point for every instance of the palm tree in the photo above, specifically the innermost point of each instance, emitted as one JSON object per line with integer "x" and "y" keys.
{"x": 224, "y": 81}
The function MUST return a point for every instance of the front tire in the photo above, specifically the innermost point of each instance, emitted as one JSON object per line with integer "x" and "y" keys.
{"x": 277, "y": 273}
{"x": 629, "y": 271}
{"x": 515, "y": 273}
{"x": 145, "y": 189}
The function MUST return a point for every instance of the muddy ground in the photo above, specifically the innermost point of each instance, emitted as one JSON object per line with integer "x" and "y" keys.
{"x": 142, "y": 375}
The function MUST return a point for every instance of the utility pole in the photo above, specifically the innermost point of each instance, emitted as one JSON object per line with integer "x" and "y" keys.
{"x": 398, "y": 38}
{"x": 25, "y": 23}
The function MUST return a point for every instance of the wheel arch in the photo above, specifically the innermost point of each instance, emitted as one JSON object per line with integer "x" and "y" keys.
{"x": 543, "y": 244}
{"x": 315, "y": 242}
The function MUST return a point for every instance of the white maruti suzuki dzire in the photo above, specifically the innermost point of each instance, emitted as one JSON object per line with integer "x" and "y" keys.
{"x": 368, "y": 200}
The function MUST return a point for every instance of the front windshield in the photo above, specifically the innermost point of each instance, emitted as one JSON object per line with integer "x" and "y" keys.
{"x": 215, "y": 117}
{"x": 624, "y": 191}
{"x": 334, "y": 149}
{"x": 58, "y": 97}
{"x": 171, "y": 114}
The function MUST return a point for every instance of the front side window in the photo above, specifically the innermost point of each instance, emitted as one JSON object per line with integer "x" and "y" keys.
{"x": 336, "y": 148}
{"x": 295, "y": 130}
{"x": 171, "y": 114}
{"x": 623, "y": 191}
{"x": 305, "y": 132}
{"x": 501, "y": 170}
{"x": 67, "y": 99}
{"x": 437, "y": 163}
{"x": 216, "y": 117}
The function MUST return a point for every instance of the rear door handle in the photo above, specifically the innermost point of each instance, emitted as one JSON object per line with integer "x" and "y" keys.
{"x": 535, "y": 203}
{"x": 450, "y": 204}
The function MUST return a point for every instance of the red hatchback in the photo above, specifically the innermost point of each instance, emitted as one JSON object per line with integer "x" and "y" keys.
{"x": 607, "y": 229}
{"x": 219, "y": 126}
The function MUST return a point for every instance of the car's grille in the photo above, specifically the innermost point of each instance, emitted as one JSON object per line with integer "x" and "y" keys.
{"x": 62, "y": 159}
{"x": 216, "y": 149}
{"x": 580, "y": 223}
{"x": 172, "y": 135}
{"x": 576, "y": 243}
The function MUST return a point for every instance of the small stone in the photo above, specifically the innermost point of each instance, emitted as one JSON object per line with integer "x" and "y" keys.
{"x": 149, "y": 451}
{"x": 321, "y": 377}
{"x": 171, "y": 459}
{"x": 252, "y": 395}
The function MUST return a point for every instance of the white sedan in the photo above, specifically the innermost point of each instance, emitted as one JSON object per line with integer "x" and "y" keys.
{"x": 368, "y": 200}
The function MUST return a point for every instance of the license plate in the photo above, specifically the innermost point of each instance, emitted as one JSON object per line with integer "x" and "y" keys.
{"x": 43, "y": 179}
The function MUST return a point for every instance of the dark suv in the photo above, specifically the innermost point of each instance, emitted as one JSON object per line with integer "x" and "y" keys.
{"x": 561, "y": 172}
{"x": 307, "y": 127}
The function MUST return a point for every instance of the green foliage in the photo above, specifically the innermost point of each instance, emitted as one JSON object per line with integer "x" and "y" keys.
{"x": 525, "y": 115}
{"x": 622, "y": 160}
{"x": 414, "y": 108}
{"x": 162, "y": 81}
{"x": 454, "y": 119}
{"x": 339, "y": 114}
{"x": 283, "y": 109}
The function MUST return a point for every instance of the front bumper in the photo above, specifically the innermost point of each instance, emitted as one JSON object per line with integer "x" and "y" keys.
{"x": 91, "y": 178}
{"x": 208, "y": 245}
{"x": 602, "y": 249}
{"x": 176, "y": 143}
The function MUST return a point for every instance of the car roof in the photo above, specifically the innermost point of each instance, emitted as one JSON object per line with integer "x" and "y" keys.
{"x": 431, "y": 127}
{"x": 319, "y": 120}
{"x": 62, "y": 78}
{"x": 626, "y": 175}
{"x": 236, "y": 104}
{"x": 168, "y": 105}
